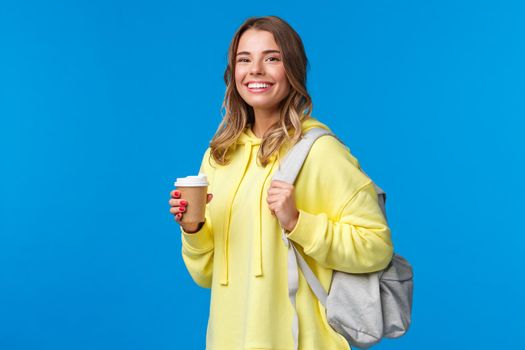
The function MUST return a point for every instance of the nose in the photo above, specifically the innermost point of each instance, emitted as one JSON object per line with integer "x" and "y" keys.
{"x": 256, "y": 68}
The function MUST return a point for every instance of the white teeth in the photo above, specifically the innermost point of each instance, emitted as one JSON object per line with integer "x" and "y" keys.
{"x": 258, "y": 86}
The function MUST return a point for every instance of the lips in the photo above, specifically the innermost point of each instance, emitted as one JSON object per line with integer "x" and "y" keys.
{"x": 258, "y": 82}
{"x": 257, "y": 90}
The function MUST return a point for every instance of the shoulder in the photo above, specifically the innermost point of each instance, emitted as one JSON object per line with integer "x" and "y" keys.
{"x": 206, "y": 155}
{"x": 328, "y": 148}
{"x": 334, "y": 164}
{"x": 207, "y": 162}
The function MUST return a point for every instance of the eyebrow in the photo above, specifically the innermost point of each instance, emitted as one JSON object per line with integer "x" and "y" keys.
{"x": 265, "y": 52}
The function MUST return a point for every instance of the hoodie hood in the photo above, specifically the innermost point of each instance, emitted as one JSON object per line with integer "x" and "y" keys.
{"x": 248, "y": 140}
{"x": 249, "y": 137}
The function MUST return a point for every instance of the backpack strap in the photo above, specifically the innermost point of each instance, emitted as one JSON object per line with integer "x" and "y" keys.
{"x": 293, "y": 161}
{"x": 288, "y": 171}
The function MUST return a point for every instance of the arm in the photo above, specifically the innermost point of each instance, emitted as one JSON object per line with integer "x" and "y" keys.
{"x": 197, "y": 253}
{"x": 358, "y": 242}
{"x": 198, "y": 247}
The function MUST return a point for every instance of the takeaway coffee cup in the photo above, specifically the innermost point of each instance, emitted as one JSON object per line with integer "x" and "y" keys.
{"x": 194, "y": 189}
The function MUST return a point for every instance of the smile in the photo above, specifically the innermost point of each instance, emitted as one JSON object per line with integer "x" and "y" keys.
{"x": 259, "y": 87}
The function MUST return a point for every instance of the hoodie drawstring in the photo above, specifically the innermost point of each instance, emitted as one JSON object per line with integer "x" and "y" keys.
{"x": 257, "y": 256}
{"x": 257, "y": 247}
{"x": 246, "y": 161}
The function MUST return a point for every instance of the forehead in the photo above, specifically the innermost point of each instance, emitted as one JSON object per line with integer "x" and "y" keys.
{"x": 257, "y": 41}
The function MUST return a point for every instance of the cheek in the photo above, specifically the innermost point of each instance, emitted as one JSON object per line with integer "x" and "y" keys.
{"x": 239, "y": 77}
{"x": 238, "y": 74}
{"x": 280, "y": 76}
{"x": 285, "y": 85}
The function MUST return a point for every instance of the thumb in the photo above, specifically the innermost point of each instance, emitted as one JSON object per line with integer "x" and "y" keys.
{"x": 209, "y": 198}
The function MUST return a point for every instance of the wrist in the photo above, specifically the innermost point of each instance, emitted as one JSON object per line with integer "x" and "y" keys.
{"x": 292, "y": 225}
{"x": 193, "y": 228}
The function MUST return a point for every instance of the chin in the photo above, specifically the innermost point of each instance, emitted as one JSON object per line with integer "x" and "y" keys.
{"x": 262, "y": 105}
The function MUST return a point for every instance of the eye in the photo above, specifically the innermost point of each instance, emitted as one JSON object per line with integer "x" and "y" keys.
{"x": 242, "y": 60}
{"x": 275, "y": 58}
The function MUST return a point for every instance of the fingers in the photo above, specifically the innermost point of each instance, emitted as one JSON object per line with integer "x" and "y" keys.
{"x": 176, "y": 210}
{"x": 276, "y": 197}
{"x": 178, "y": 205}
{"x": 183, "y": 202}
{"x": 280, "y": 184}
{"x": 279, "y": 190}
{"x": 276, "y": 192}
{"x": 178, "y": 202}
{"x": 177, "y": 214}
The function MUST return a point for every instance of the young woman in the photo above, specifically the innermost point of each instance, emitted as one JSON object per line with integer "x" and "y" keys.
{"x": 331, "y": 213}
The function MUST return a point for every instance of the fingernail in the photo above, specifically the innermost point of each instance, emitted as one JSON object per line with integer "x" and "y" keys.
{"x": 183, "y": 202}
{"x": 179, "y": 216}
{"x": 182, "y": 209}
{"x": 177, "y": 194}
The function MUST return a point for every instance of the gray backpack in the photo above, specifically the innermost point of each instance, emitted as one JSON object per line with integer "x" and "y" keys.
{"x": 363, "y": 308}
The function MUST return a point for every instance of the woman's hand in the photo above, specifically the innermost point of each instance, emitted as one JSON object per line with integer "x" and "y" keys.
{"x": 281, "y": 202}
{"x": 178, "y": 207}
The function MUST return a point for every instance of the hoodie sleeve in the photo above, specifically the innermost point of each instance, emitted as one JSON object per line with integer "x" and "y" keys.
{"x": 197, "y": 248}
{"x": 344, "y": 229}
{"x": 358, "y": 242}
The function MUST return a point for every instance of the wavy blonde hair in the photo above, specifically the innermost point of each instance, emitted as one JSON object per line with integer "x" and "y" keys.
{"x": 295, "y": 107}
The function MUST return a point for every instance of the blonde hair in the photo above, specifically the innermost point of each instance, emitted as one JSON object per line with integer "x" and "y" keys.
{"x": 296, "y": 107}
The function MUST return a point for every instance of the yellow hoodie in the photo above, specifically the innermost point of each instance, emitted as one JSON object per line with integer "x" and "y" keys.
{"x": 240, "y": 255}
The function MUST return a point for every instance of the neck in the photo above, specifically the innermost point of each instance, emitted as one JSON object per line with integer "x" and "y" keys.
{"x": 264, "y": 119}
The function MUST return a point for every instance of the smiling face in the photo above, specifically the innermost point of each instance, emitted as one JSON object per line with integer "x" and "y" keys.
{"x": 260, "y": 76}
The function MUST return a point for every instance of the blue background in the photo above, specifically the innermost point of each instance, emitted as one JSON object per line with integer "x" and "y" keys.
{"x": 103, "y": 104}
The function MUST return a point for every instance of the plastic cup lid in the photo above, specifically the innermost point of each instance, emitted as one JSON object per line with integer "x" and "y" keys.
{"x": 192, "y": 181}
